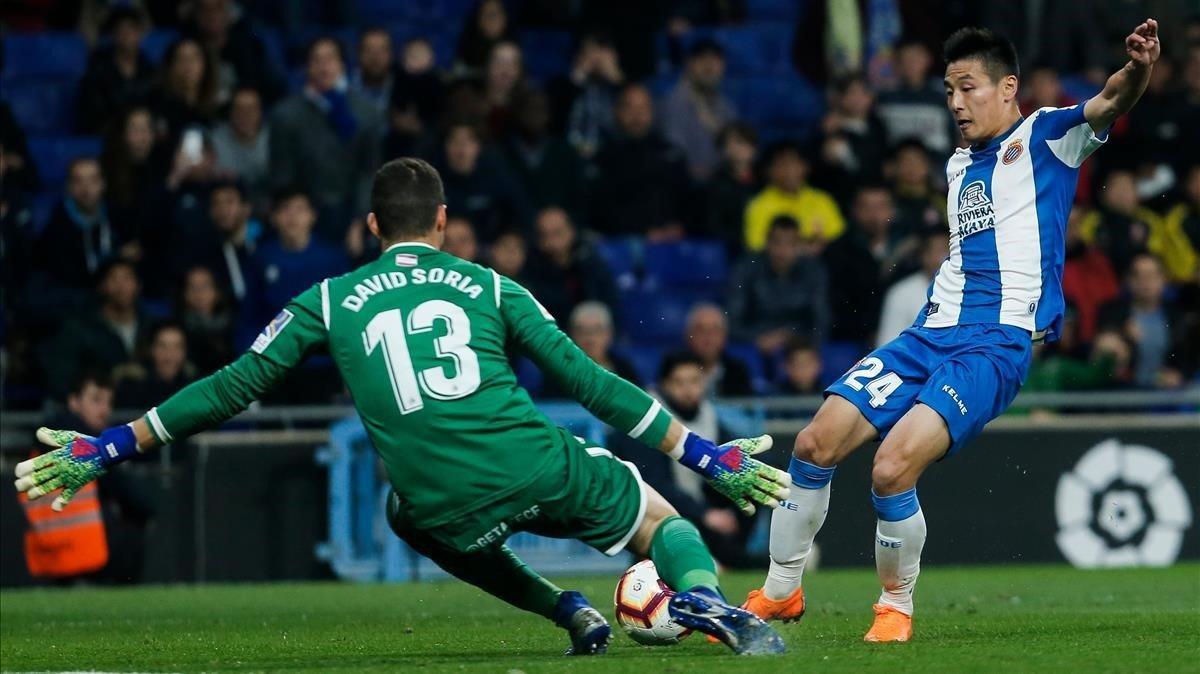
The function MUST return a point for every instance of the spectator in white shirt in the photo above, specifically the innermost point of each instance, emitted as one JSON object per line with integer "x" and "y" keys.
{"x": 905, "y": 299}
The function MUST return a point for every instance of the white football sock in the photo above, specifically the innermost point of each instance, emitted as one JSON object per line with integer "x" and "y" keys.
{"x": 898, "y": 559}
{"x": 794, "y": 525}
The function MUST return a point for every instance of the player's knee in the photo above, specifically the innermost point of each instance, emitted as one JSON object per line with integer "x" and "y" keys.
{"x": 892, "y": 473}
{"x": 812, "y": 447}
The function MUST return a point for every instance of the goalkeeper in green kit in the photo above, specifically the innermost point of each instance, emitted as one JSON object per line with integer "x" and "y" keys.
{"x": 419, "y": 337}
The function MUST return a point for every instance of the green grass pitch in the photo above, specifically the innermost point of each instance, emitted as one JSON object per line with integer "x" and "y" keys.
{"x": 1011, "y": 618}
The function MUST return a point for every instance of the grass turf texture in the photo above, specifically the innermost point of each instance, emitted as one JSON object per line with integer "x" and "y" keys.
{"x": 1015, "y": 618}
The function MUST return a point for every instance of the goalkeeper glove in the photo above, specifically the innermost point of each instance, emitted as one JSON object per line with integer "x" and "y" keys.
{"x": 732, "y": 471}
{"x": 75, "y": 460}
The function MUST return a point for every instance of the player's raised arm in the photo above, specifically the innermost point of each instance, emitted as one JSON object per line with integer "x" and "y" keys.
{"x": 729, "y": 468}
{"x": 1126, "y": 86}
{"x": 77, "y": 459}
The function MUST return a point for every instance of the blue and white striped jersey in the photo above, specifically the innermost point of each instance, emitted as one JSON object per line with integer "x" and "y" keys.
{"x": 1007, "y": 205}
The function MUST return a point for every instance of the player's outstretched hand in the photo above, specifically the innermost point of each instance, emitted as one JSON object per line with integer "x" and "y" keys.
{"x": 747, "y": 481}
{"x": 1142, "y": 44}
{"x": 74, "y": 461}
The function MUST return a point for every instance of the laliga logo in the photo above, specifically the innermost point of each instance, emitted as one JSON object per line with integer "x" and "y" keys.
{"x": 1121, "y": 506}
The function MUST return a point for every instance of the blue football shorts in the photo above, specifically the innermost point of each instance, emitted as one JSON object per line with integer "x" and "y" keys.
{"x": 968, "y": 374}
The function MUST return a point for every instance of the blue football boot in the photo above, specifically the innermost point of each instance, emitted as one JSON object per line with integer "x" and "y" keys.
{"x": 704, "y": 610}
{"x": 588, "y": 629}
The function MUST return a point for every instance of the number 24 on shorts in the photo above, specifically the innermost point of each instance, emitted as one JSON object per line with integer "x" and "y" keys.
{"x": 880, "y": 387}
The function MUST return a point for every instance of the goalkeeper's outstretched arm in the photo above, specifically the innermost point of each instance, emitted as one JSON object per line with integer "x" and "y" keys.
{"x": 296, "y": 332}
{"x": 729, "y": 467}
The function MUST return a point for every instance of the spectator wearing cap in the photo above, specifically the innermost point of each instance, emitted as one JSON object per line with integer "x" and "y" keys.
{"x": 547, "y": 167}
{"x": 917, "y": 107}
{"x": 906, "y": 297}
{"x": 478, "y": 187}
{"x": 568, "y": 271}
{"x": 779, "y": 293}
{"x": 695, "y": 111}
{"x": 731, "y": 187}
{"x": 583, "y": 101}
{"x": 640, "y": 184}
{"x": 375, "y": 76}
{"x": 119, "y": 74}
{"x": 242, "y": 144}
{"x": 240, "y": 57}
{"x": 325, "y": 140}
{"x": 788, "y": 193}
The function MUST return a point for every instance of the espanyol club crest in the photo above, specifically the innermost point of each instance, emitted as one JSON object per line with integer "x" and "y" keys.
{"x": 1013, "y": 152}
{"x": 1121, "y": 505}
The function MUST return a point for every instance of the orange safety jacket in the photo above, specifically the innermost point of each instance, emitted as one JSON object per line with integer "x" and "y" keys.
{"x": 68, "y": 543}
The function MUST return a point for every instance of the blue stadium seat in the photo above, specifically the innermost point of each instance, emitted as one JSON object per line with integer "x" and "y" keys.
{"x": 54, "y": 153}
{"x": 775, "y": 10}
{"x": 697, "y": 264}
{"x": 547, "y": 53}
{"x": 157, "y": 41}
{"x": 42, "y": 104}
{"x": 46, "y": 53}
{"x": 778, "y": 101}
{"x": 749, "y": 354}
{"x": 656, "y": 317}
{"x": 273, "y": 45}
{"x": 750, "y": 49}
{"x": 837, "y": 357}
{"x": 645, "y": 360}
{"x": 623, "y": 257}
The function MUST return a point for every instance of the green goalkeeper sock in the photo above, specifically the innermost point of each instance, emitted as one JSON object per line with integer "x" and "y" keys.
{"x": 682, "y": 559}
{"x": 499, "y": 572}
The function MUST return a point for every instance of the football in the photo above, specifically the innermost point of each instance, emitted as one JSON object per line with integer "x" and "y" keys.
{"x": 641, "y": 603}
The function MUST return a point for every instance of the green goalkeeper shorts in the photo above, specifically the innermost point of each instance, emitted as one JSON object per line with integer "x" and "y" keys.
{"x": 589, "y": 495}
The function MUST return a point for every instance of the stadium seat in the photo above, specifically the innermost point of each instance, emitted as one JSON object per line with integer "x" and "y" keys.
{"x": 837, "y": 357}
{"x": 778, "y": 101}
{"x": 273, "y": 45}
{"x": 749, "y": 354}
{"x": 751, "y": 49}
{"x": 157, "y": 41}
{"x": 655, "y": 317}
{"x": 696, "y": 264}
{"x": 42, "y": 104}
{"x": 547, "y": 53}
{"x": 775, "y": 10}
{"x": 645, "y": 360}
{"x": 623, "y": 257}
{"x": 46, "y": 53}
{"x": 54, "y": 153}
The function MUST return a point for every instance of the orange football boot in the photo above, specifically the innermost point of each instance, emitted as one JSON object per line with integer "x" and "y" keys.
{"x": 788, "y": 609}
{"x": 891, "y": 625}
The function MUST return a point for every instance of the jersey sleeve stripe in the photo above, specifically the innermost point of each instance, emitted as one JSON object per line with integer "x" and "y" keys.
{"x": 496, "y": 287}
{"x": 325, "y": 302}
{"x": 156, "y": 425}
{"x": 647, "y": 419}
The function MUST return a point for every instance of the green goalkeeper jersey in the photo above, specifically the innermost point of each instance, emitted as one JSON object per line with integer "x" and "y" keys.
{"x": 420, "y": 338}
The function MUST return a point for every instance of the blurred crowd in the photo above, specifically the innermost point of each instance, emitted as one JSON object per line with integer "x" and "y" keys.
{"x": 226, "y": 184}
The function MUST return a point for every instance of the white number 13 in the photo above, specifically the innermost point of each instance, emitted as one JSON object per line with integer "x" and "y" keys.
{"x": 879, "y": 387}
{"x": 387, "y": 332}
